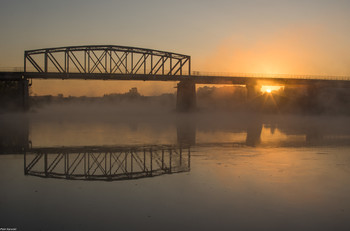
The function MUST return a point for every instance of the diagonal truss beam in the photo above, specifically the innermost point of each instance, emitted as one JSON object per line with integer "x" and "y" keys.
{"x": 98, "y": 62}
{"x": 121, "y": 61}
{"x": 111, "y": 60}
{"x": 55, "y": 63}
{"x": 35, "y": 64}
{"x": 76, "y": 62}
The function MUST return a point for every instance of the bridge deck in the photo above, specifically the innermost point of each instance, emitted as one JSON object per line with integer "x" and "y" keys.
{"x": 198, "y": 79}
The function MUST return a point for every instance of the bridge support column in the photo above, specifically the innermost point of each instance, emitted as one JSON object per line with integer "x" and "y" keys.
{"x": 23, "y": 88}
{"x": 313, "y": 104}
{"x": 186, "y": 96}
{"x": 253, "y": 90}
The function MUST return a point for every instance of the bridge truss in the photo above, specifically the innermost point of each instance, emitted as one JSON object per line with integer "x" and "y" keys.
{"x": 108, "y": 164}
{"x": 108, "y": 59}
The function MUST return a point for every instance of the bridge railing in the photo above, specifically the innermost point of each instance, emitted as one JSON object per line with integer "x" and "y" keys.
{"x": 202, "y": 73}
{"x": 267, "y": 75}
{"x": 106, "y": 59}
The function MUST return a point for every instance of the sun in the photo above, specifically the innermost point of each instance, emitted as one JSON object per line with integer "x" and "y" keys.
{"x": 270, "y": 89}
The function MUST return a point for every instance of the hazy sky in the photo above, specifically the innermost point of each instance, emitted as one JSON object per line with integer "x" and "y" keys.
{"x": 260, "y": 36}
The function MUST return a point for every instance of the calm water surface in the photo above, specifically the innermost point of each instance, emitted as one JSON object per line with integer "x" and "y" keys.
{"x": 166, "y": 171}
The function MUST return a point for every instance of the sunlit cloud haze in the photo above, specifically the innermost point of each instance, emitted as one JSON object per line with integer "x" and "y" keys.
{"x": 251, "y": 36}
{"x": 295, "y": 50}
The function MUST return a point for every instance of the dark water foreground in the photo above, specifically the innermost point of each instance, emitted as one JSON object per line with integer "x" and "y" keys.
{"x": 73, "y": 168}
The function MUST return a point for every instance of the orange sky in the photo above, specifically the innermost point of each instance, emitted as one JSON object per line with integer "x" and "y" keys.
{"x": 240, "y": 36}
{"x": 302, "y": 50}
{"x": 296, "y": 50}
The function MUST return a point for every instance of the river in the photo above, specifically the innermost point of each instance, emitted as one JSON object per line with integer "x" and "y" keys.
{"x": 72, "y": 168}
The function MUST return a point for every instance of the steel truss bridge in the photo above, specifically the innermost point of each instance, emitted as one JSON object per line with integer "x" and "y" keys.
{"x": 106, "y": 163}
{"x": 109, "y": 62}
{"x": 104, "y": 62}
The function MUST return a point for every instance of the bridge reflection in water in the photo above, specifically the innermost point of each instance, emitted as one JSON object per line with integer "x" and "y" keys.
{"x": 107, "y": 163}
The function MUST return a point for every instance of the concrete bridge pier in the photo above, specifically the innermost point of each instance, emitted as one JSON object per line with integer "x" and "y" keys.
{"x": 23, "y": 88}
{"x": 186, "y": 96}
{"x": 253, "y": 90}
{"x": 313, "y": 103}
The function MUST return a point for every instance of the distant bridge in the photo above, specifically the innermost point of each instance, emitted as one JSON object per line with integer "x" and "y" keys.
{"x": 109, "y": 62}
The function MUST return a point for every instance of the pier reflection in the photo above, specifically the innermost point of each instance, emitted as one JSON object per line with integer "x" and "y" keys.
{"x": 14, "y": 134}
{"x": 18, "y": 133}
{"x": 106, "y": 163}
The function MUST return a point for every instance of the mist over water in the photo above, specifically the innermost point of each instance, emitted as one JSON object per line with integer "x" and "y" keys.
{"x": 144, "y": 121}
{"x": 229, "y": 169}
{"x": 87, "y": 156}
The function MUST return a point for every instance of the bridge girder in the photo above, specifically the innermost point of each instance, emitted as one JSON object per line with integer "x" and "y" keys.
{"x": 108, "y": 59}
